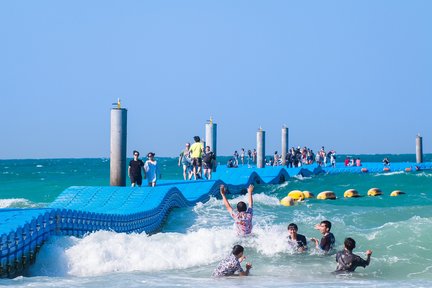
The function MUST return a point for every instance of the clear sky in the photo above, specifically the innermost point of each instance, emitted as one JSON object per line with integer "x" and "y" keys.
{"x": 354, "y": 76}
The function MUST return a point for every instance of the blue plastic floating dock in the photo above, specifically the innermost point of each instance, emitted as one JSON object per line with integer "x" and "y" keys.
{"x": 80, "y": 210}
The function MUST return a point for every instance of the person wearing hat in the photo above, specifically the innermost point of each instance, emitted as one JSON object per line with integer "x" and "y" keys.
{"x": 151, "y": 170}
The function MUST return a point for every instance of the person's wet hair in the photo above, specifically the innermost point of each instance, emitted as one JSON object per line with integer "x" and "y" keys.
{"x": 241, "y": 206}
{"x": 293, "y": 226}
{"x": 327, "y": 224}
{"x": 237, "y": 249}
{"x": 349, "y": 243}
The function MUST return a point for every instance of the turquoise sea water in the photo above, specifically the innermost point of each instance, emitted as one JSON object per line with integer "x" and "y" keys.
{"x": 194, "y": 239}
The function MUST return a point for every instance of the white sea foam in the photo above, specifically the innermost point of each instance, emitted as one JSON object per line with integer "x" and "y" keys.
{"x": 18, "y": 203}
{"x": 105, "y": 252}
{"x": 389, "y": 173}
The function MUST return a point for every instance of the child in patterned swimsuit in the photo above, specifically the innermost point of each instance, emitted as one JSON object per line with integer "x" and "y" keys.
{"x": 231, "y": 264}
{"x": 243, "y": 217}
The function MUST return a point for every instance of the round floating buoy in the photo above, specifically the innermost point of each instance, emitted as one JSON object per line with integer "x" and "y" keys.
{"x": 351, "y": 193}
{"x": 374, "y": 192}
{"x": 396, "y": 193}
{"x": 287, "y": 201}
{"x": 364, "y": 170}
{"x": 308, "y": 194}
{"x": 408, "y": 169}
{"x": 386, "y": 169}
{"x": 296, "y": 195}
{"x": 326, "y": 195}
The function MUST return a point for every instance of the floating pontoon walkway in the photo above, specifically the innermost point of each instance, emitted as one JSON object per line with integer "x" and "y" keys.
{"x": 80, "y": 210}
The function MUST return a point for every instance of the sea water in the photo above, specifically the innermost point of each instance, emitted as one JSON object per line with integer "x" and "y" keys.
{"x": 194, "y": 239}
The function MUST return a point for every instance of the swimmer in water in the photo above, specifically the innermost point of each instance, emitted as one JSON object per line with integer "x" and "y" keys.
{"x": 328, "y": 239}
{"x": 243, "y": 217}
{"x": 297, "y": 240}
{"x": 230, "y": 265}
{"x": 347, "y": 260}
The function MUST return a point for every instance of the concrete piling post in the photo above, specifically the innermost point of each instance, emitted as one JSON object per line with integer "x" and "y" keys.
{"x": 260, "y": 148}
{"x": 284, "y": 144}
{"x": 211, "y": 138}
{"x": 419, "y": 149}
{"x": 118, "y": 146}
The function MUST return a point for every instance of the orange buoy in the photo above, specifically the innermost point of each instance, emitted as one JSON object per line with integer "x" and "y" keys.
{"x": 364, "y": 170}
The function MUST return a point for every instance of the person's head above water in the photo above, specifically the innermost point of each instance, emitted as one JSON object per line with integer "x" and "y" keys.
{"x": 349, "y": 243}
{"x": 293, "y": 226}
{"x": 241, "y": 206}
{"x": 327, "y": 224}
{"x": 324, "y": 227}
{"x": 238, "y": 251}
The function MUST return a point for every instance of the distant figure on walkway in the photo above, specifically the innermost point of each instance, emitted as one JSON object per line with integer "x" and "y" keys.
{"x": 332, "y": 155}
{"x": 186, "y": 161}
{"x": 249, "y": 159}
{"x": 328, "y": 240}
{"x": 358, "y": 162}
{"x": 243, "y": 217}
{"x": 230, "y": 265}
{"x": 242, "y": 155}
{"x": 208, "y": 162}
{"x": 298, "y": 241}
{"x": 134, "y": 170}
{"x": 231, "y": 163}
{"x": 275, "y": 159}
{"x": 196, "y": 151}
{"x": 236, "y": 156}
{"x": 151, "y": 170}
{"x": 347, "y": 260}
{"x": 254, "y": 156}
{"x": 347, "y": 161}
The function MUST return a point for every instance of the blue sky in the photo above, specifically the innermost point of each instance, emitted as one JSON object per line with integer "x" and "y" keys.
{"x": 354, "y": 76}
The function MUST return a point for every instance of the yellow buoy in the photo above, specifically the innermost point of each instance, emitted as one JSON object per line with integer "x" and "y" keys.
{"x": 396, "y": 193}
{"x": 374, "y": 192}
{"x": 287, "y": 201}
{"x": 308, "y": 194}
{"x": 296, "y": 195}
{"x": 326, "y": 195}
{"x": 350, "y": 193}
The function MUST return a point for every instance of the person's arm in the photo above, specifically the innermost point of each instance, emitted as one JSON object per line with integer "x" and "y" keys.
{"x": 246, "y": 273}
{"x": 368, "y": 254}
{"x": 180, "y": 158}
{"x": 225, "y": 201}
{"x": 129, "y": 171}
{"x": 316, "y": 243}
{"x": 250, "y": 191}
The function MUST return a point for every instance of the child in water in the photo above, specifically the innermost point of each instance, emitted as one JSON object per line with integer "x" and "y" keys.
{"x": 243, "y": 217}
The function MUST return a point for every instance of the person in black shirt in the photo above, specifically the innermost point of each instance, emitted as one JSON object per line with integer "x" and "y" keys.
{"x": 208, "y": 162}
{"x": 327, "y": 241}
{"x": 298, "y": 240}
{"x": 134, "y": 171}
{"x": 347, "y": 261}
